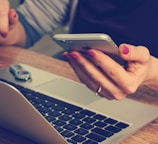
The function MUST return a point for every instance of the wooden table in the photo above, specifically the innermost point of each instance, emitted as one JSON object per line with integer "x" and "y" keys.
{"x": 10, "y": 55}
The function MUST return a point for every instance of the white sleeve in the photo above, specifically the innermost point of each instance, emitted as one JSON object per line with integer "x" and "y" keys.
{"x": 45, "y": 15}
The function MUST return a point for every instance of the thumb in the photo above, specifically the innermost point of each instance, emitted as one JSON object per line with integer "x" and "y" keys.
{"x": 134, "y": 53}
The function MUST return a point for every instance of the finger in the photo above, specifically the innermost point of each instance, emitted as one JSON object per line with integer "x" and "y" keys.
{"x": 105, "y": 94}
{"x": 139, "y": 54}
{"x": 4, "y": 23}
{"x": 116, "y": 75}
{"x": 92, "y": 76}
{"x": 80, "y": 71}
{"x": 88, "y": 80}
{"x": 108, "y": 65}
{"x": 13, "y": 18}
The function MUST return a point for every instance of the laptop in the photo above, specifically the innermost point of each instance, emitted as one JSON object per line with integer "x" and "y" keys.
{"x": 52, "y": 109}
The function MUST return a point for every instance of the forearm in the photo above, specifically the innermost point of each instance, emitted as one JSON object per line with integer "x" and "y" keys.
{"x": 19, "y": 36}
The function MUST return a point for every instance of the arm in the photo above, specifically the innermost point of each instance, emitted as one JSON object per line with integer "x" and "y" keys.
{"x": 36, "y": 18}
{"x": 116, "y": 82}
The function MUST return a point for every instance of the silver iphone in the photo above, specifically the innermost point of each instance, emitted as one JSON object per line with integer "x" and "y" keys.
{"x": 84, "y": 42}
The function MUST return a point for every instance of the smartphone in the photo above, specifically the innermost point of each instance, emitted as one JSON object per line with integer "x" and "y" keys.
{"x": 84, "y": 42}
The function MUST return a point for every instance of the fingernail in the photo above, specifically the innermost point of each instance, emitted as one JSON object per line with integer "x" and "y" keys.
{"x": 15, "y": 16}
{"x": 125, "y": 50}
{"x": 4, "y": 35}
{"x": 91, "y": 53}
{"x": 74, "y": 56}
{"x": 65, "y": 55}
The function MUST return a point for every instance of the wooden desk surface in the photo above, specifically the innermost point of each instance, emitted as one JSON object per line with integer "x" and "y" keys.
{"x": 10, "y": 55}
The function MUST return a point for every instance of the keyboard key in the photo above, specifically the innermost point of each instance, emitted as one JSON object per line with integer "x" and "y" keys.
{"x": 76, "y": 122}
{"x": 67, "y": 133}
{"x": 87, "y": 126}
{"x": 48, "y": 104}
{"x": 43, "y": 109}
{"x": 90, "y": 142}
{"x": 110, "y": 121}
{"x": 99, "y": 117}
{"x": 122, "y": 125}
{"x": 54, "y": 113}
{"x": 102, "y": 132}
{"x": 57, "y": 107}
{"x": 78, "y": 115}
{"x": 87, "y": 112}
{"x": 89, "y": 120}
{"x": 68, "y": 111}
{"x": 71, "y": 141}
{"x": 50, "y": 118}
{"x": 96, "y": 137}
{"x": 100, "y": 124}
{"x": 81, "y": 131}
{"x": 113, "y": 129}
{"x": 65, "y": 117}
{"x": 70, "y": 127}
{"x": 78, "y": 138}
{"x": 59, "y": 129}
{"x": 39, "y": 100}
{"x": 59, "y": 122}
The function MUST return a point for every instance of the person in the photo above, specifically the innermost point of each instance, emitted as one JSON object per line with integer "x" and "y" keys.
{"x": 132, "y": 25}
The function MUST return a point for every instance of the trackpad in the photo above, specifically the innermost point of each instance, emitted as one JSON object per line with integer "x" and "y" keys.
{"x": 70, "y": 91}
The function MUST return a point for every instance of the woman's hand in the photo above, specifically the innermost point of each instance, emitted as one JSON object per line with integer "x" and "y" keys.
{"x": 110, "y": 79}
{"x": 10, "y": 28}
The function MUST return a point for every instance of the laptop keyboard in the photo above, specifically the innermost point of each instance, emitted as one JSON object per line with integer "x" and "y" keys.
{"x": 75, "y": 124}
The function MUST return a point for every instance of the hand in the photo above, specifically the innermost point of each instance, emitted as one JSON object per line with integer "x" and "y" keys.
{"x": 8, "y": 22}
{"x": 114, "y": 80}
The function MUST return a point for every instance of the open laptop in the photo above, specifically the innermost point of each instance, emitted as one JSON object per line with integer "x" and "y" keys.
{"x": 89, "y": 119}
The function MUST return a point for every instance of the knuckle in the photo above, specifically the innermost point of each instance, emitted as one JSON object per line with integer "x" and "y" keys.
{"x": 125, "y": 92}
{"x": 146, "y": 52}
{"x": 119, "y": 96}
{"x": 130, "y": 90}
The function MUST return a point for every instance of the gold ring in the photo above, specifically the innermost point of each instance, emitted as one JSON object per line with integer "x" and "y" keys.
{"x": 98, "y": 90}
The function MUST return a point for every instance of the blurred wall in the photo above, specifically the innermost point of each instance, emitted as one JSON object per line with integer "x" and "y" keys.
{"x": 14, "y": 3}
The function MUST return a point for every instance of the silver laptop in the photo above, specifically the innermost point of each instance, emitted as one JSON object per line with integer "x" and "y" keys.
{"x": 52, "y": 109}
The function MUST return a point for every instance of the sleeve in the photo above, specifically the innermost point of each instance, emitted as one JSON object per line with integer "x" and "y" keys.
{"x": 32, "y": 35}
{"x": 41, "y": 17}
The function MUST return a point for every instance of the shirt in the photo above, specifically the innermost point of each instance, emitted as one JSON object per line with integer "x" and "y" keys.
{"x": 40, "y": 17}
{"x": 134, "y": 22}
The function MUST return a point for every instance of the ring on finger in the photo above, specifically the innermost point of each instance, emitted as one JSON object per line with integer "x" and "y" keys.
{"x": 98, "y": 90}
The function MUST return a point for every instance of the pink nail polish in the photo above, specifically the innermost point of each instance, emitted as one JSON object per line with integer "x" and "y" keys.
{"x": 125, "y": 50}
{"x": 91, "y": 53}
{"x": 4, "y": 35}
{"x": 74, "y": 56}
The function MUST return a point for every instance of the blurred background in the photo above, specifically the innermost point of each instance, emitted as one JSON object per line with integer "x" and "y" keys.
{"x": 45, "y": 45}
{"x": 14, "y": 3}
